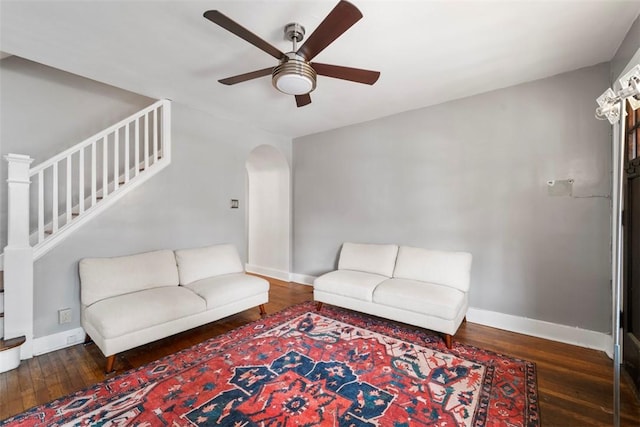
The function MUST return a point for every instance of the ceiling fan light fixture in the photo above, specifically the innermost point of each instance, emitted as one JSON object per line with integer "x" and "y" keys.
{"x": 294, "y": 77}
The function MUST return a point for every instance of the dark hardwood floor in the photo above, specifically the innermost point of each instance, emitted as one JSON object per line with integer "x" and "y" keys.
{"x": 575, "y": 385}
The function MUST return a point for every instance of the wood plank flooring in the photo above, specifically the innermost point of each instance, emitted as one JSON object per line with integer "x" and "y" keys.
{"x": 574, "y": 384}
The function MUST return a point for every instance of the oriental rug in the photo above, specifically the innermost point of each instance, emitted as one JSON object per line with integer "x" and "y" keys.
{"x": 301, "y": 367}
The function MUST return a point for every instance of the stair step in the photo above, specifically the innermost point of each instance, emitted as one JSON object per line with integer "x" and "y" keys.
{"x": 12, "y": 343}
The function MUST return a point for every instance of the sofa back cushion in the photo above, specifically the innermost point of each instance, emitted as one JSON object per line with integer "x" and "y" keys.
{"x": 102, "y": 278}
{"x": 370, "y": 258}
{"x": 201, "y": 263}
{"x": 439, "y": 267}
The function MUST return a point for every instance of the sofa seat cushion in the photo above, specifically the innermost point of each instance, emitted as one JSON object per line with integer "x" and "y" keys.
{"x": 117, "y": 316}
{"x": 349, "y": 283}
{"x": 420, "y": 297}
{"x": 228, "y": 288}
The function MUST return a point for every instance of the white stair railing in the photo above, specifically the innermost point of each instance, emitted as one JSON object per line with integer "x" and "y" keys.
{"x": 69, "y": 189}
{"x": 70, "y": 186}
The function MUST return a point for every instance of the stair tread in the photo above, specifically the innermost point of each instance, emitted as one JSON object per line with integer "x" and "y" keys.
{"x": 12, "y": 343}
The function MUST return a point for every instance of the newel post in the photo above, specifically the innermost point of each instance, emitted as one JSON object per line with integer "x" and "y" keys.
{"x": 18, "y": 256}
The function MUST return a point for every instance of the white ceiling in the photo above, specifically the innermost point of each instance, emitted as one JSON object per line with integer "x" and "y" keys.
{"x": 427, "y": 52}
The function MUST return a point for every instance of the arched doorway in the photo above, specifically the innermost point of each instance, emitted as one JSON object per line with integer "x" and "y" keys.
{"x": 268, "y": 213}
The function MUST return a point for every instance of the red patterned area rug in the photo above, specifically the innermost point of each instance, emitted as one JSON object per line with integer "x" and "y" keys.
{"x": 301, "y": 367}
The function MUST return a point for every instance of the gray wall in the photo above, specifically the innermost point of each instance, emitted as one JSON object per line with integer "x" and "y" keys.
{"x": 185, "y": 205}
{"x": 471, "y": 175}
{"x": 628, "y": 50}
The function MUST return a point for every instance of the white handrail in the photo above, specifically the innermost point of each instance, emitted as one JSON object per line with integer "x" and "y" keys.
{"x": 96, "y": 137}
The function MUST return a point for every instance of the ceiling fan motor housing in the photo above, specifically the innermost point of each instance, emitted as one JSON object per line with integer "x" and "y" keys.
{"x": 294, "y": 76}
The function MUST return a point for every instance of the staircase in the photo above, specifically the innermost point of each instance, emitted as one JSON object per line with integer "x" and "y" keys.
{"x": 68, "y": 190}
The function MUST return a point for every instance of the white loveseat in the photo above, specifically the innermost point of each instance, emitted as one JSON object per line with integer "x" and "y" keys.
{"x": 133, "y": 300}
{"x": 417, "y": 286}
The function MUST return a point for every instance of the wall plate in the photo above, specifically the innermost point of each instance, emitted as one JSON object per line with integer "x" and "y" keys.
{"x": 560, "y": 187}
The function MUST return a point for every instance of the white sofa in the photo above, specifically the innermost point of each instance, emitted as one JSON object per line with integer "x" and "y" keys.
{"x": 133, "y": 300}
{"x": 417, "y": 286}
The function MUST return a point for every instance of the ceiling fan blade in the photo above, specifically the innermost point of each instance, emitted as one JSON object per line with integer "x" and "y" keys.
{"x": 339, "y": 20}
{"x": 302, "y": 100}
{"x": 228, "y": 24}
{"x": 246, "y": 76}
{"x": 346, "y": 73}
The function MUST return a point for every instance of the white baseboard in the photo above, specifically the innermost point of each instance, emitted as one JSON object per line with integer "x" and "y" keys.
{"x": 266, "y": 271}
{"x": 57, "y": 341}
{"x": 541, "y": 329}
{"x": 280, "y": 275}
{"x": 523, "y": 325}
{"x": 609, "y": 349}
{"x": 302, "y": 278}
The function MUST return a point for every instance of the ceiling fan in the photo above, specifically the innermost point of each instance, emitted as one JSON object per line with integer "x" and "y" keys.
{"x": 296, "y": 74}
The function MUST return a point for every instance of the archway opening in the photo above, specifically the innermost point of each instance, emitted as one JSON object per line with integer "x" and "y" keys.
{"x": 268, "y": 213}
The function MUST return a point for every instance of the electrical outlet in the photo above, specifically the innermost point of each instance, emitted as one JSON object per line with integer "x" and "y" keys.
{"x": 64, "y": 315}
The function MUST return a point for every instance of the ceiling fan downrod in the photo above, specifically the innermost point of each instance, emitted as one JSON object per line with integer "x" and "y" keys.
{"x": 294, "y": 32}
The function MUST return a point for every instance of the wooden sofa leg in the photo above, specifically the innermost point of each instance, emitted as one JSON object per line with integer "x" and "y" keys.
{"x": 318, "y": 306}
{"x": 263, "y": 312}
{"x": 448, "y": 340}
{"x": 110, "y": 362}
